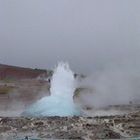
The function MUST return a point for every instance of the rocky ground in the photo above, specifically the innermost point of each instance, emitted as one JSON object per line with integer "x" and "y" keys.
{"x": 74, "y": 128}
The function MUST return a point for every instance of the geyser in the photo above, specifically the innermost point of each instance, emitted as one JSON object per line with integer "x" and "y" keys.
{"x": 60, "y": 102}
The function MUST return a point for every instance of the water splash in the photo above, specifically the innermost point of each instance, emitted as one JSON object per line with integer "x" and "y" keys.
{"x": 60, "y": 103}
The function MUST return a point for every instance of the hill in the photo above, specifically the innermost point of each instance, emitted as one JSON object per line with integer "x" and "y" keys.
{"x": 16, "y": 73}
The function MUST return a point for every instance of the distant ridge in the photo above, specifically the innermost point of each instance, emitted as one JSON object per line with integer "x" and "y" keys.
{"x": 15, "y": 72}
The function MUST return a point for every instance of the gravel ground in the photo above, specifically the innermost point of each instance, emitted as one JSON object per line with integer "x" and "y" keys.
{"x": 105, "y": 127}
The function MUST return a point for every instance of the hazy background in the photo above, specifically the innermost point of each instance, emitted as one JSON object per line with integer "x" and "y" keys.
{"x": 89, "y": 34}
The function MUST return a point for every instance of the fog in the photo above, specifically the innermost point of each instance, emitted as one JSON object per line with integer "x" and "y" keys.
{"x": 90, "y": 34}
{"x": 115, "y": 85}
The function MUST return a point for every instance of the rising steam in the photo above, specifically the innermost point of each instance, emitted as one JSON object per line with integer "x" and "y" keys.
{"x": 114, "y": 85}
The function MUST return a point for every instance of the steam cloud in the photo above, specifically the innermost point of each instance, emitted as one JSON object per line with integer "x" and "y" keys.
{"x": 116, "y": 84}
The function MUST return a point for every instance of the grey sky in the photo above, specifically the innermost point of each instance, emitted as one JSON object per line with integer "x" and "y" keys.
{"x": 86, "y": 33}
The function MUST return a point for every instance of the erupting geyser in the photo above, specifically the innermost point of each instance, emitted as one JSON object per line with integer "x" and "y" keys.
{"x": 60, "y": 103}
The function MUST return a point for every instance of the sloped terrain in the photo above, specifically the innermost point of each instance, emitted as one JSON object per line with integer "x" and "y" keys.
{"x": 20, "y": 87}
{"x": 14, "y": 73}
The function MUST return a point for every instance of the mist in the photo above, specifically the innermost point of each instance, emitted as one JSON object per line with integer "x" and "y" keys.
{"x": 88, "y": 34}
{"x": 116, "y": 84}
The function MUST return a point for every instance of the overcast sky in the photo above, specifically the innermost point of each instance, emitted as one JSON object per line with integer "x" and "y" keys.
{"x": 87, "y": 33}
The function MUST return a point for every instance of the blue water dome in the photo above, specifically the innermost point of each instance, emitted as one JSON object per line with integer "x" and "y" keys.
{"x": 60, "y": 102}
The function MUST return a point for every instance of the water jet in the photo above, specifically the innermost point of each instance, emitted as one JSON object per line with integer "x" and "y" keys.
{"x": 60, "y": 102}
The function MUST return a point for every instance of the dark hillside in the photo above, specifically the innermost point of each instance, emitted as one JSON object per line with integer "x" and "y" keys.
{"x": 16, "y": 73}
